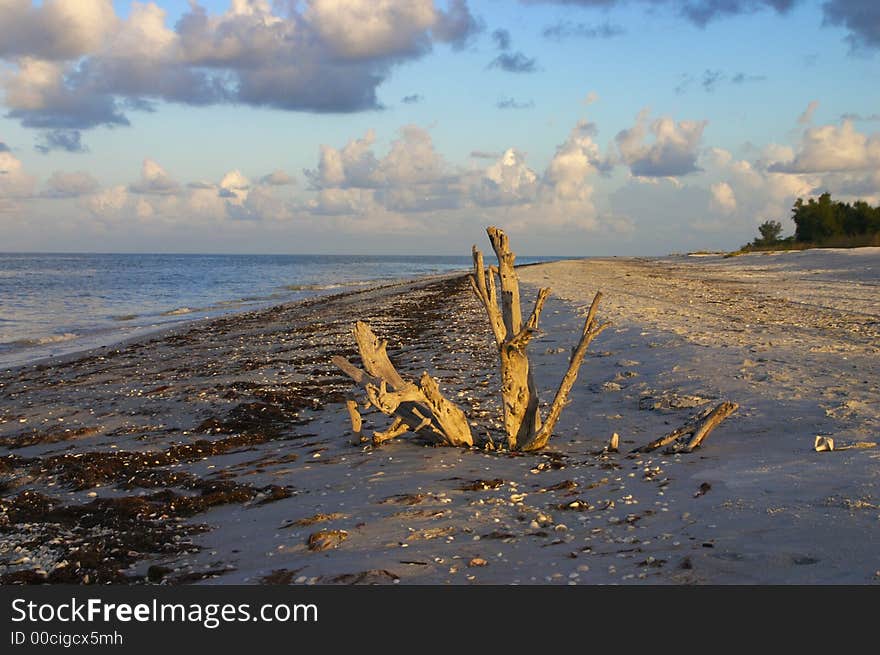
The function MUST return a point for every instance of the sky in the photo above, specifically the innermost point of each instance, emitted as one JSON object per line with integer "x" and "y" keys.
{"x": 582, "y": 127}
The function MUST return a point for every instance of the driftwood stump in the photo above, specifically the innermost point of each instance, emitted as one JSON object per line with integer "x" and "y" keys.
{"x": 522, "y": 420}
{"x": 423, "y": 410}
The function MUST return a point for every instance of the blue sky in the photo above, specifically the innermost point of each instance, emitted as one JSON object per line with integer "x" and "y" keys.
{"x": 602, "y": 127}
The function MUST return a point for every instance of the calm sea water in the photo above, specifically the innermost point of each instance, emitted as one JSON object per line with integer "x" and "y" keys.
{"x": 53, "y": 304}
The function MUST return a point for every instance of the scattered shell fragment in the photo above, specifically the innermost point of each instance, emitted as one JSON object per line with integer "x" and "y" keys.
{"x": 823, "y": 443}
{"x": 613, "y": 443}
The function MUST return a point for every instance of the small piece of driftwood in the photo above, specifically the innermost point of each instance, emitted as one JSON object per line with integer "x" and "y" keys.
{"x": 708, "y": 424}
{"x": 698, "y": 428}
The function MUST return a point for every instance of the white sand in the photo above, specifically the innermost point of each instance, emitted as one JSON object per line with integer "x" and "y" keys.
{"x": 793, "y": 338}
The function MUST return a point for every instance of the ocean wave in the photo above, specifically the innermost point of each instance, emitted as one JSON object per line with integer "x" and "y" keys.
{"x": 178, "y": 311}
{"x": 333, "y": 285}
{"x": 44, "y": 341}
{"x": 125, "y": 317}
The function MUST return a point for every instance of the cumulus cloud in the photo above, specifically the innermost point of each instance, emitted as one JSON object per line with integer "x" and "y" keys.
{"x": 860, "y": 17}
{"x": 574, "y": 163}
{"x": 833, "y": 148}
{"x": 277, "y": 178}
{"x": 318, "y": 56}
{"x": 457, "y": 25}
{"x": 506, "y": 181}
{"x": 155, "y": 180}
{"x": 70, "y": 185}
{"x": 55, "y": 29}
{"x": 235, "y": 187}
{"x": 672, "y": 153}
{"x": 107, "y": 203}
{"x": 723, "y": 197}
{"x": 412, "y": 178}
{"x": 353, "y": 165}
{"x": 15, "y": 183}
{"x": 411, "y": 160}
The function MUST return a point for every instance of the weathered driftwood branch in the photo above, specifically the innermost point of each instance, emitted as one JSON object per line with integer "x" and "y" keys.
{"x": 715, "y": 417}
{"x": 522, "y": 421}
{"x": 686, "y": 429}
{"x": 698, "y": 428}
{"x": 590, "y": 332}
{"x": 421, "y": 409}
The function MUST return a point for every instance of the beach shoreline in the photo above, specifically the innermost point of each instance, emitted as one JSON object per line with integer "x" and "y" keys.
{"x": 163, "y": 330}
{"x": 212, "y": 453}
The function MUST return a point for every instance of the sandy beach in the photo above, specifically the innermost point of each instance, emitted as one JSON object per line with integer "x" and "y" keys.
{"x": 213, "y": 452}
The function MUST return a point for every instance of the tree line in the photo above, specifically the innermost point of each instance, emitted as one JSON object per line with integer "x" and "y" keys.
{"x": 823, "y": 221}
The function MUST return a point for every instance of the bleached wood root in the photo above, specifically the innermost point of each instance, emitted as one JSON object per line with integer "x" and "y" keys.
{"x": 398, "y": 428}
{"x": 357, "y": 422}
{"x": 420, "y": 409}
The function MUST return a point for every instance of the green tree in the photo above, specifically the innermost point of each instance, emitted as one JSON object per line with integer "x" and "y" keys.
{"x": 770, "y": 232}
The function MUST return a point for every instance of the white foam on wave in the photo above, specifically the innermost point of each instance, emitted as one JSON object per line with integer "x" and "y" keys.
{"x": 44, "y": 341}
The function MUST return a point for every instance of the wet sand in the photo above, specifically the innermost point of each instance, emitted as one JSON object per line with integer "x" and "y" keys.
{"x": 218, "y": 453}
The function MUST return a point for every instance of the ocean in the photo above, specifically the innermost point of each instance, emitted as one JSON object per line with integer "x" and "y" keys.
{"x": 56, "y": 304}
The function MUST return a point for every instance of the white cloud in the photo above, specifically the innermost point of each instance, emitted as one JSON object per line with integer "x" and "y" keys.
{"x": 107, "y": 203}
{"x": 576, "y": 160}
{"x": 76, "y": 65}
{"x": 833, "y": 148}
{"x": 278, "y": 178}
{"x": 506, "y": 181}
{"x": 15, "y": 183}
{"x": 352, "y": 166}
{"x": 70, "y": 185}
{"x": 154, "y": 180}
{"x": 723, "y": 198}
{"x": 373, "y": 28}
{"x": 672, "y": 153}
{"x": 54, "y": 29}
